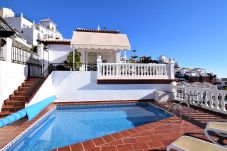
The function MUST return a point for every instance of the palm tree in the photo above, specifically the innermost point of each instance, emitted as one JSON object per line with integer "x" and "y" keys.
{"x": 134, "y": 55}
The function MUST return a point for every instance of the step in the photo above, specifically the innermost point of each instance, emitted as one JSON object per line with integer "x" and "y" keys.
{"x": 11, "y": 108}
{"x": 28, "y": 84}
{"x": 21, "y": 93}
{"x": 23, "y": 88}
{"x": 32, "y": 79}
{"x": 20, "y": 98}
{"x": 14, "y": 102}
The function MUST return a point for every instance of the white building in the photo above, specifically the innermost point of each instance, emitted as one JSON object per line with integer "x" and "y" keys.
{"x": 30, "y": 31}
{"x": 6, "y": 12}
{"x": 50, "y": 29}
{"x": 164, "y": 59}
{"x": 17, "y": 62}
{"x": 223, "y": 84}
{"x": 93, "y": 43}
{"x": 110, "y": 80}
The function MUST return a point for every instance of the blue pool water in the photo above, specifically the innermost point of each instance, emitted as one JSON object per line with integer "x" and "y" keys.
{"x": 74, "y": 124}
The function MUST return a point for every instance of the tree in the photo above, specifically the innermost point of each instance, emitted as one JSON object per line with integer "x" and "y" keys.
{"x": 176, "y": 65}
{"x": 69, "y": 60}
{"x": 134, "y": 55}
{"x": 34, "y": 49}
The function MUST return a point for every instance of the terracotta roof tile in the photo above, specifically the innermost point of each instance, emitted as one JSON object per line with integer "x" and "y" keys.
{"x": 55, "y": 41}
{"x": 98, "y": 31}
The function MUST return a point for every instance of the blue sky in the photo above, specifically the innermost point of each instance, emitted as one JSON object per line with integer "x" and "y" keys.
{"x": 192, "y": 31}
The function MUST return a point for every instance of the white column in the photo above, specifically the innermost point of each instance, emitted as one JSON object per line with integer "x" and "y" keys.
{"x": 125, "y": 56}
{"x": 40, "y": 51}
{"x": 118, "y": 56}
{"x": 73, "y": 60}
{"x": 171, "y": 71}
{"x": 7, "y": 49}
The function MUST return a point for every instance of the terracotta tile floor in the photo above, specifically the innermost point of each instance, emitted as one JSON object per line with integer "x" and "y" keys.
{"x": 152, "y": 136}
{"x": 8, "y": 133}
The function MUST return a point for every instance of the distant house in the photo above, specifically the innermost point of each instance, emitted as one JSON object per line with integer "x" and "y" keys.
{"x": 224, "y": 83}
{"x": 195, "y": 75}
{"x": 29, "y": 30}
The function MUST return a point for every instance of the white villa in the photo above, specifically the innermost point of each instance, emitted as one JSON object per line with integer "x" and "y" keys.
{"x": 99, "y": 76}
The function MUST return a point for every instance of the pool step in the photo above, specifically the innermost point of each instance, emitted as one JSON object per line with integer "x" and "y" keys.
{"x": 21, "y": 96}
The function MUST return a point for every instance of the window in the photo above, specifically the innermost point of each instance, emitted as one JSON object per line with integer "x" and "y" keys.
{"x": 225, "y": 83}
{"x": 38, "y": 35}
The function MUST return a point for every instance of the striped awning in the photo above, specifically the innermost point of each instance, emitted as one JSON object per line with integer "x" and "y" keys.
{"x": 100, "y": 40}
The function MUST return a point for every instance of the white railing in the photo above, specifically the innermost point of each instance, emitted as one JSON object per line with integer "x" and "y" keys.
{"x": 135, "y": 71}
{"x": 207, "y": 98}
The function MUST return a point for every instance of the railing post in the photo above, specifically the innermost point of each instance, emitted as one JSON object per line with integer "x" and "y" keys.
{"x": 98, "y": 70}
{"x": 223, "y": 102}
{"x": 171, "y": 71}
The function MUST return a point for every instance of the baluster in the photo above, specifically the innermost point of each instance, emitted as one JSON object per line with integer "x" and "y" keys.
{"x": 211, "y": 100}
{"x": 123, "y": 70}
{"x": 223, "y": 102}
{"x": 206, "y": 98}
{"x": 103, "y": 70}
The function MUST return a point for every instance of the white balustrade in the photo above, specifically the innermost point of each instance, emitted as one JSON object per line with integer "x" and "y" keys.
{"x": 207, "y": 98}
{"x": 135, "y": 71}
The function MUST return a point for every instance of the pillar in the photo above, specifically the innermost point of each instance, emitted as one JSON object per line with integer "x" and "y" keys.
{"x": 73, "y": 60}
{"x": 118, "y": 56}
{"x": 125, "y": 56}
{"x": 7, "y": 50}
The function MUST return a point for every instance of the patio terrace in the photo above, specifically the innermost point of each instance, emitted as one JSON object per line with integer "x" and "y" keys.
{"x": 151, "y": 136}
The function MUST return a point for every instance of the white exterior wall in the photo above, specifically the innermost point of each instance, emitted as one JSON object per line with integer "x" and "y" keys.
{"x": 15, "y": 22}
{"x": 45, "y": 91}
{"x": 6, "y": 12}
{"x": 108, "y": 56}
{"x": 73, "y": 86}
{"x": 12, "y": 75}
{"x": 58, "y": 53}
{"x": 26, "y": 22}
{"x": 82, "y": 86}
{"x": 28, "y": 35}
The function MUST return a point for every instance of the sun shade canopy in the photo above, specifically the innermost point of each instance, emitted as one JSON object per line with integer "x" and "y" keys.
{"x": 91, "y": 39}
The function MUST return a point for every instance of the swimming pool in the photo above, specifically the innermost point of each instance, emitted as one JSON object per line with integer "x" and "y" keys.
{"x": 73, "y": 124}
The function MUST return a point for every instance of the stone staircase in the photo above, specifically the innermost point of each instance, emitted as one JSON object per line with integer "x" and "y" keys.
{"x": 23, "y": 94}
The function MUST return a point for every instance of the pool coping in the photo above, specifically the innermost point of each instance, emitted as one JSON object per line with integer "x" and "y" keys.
{"x": 18, "y": 137}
